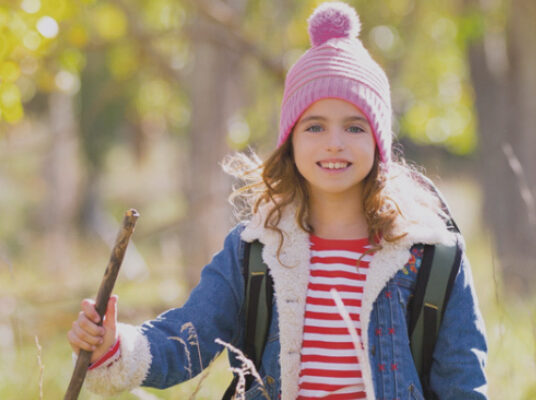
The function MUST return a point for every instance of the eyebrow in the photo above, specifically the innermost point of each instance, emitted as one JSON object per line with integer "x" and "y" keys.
{"x": 318, "y": 117}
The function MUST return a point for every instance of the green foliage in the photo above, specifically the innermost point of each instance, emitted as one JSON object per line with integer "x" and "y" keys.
{"x": 422, "y": 45}
{"x": 45, "y": 46}
{"x": 419, "y": 47}
{"x": 28, "y": 34}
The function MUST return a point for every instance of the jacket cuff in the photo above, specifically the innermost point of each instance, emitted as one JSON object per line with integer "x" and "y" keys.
{"x": 130, "y": 368}
{"x": 109, "y": 358}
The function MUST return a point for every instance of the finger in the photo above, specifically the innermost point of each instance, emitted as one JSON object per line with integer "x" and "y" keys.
{"x": 72, "y": 342}
{"x": 78, "y": 343}
{"x": 83, "y": 336}
{"x": 88, "y": 307}
{"x": 89, "y": 327}
{"x": 110, "y": 320}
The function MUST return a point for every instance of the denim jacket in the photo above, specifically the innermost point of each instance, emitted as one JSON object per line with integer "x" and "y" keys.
{"x": 179, "y": 343}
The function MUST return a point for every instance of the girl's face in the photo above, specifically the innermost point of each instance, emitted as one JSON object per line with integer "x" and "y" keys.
{"x": 333, "y": 148}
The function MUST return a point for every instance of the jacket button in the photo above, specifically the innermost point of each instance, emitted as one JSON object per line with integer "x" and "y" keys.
{"x": 270, "y": 380}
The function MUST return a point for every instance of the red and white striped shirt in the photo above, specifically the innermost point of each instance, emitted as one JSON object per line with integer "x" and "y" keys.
{"x": 328, "y": 357}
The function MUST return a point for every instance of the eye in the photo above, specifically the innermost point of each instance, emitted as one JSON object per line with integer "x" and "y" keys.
{"x": 314, "y": 128}
{"x": 356, "y": 129}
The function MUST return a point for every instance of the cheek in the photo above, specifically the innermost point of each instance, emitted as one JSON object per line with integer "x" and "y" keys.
{"x": 300, "y": 153}
{"x": 299, "y": 161}
{"x": 371, "y": 152}
{"x": 371, "y": 148}
{"x": 367, "y": 153}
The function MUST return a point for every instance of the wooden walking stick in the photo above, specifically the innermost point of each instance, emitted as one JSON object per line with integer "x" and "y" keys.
{"x": 103, "y": 295}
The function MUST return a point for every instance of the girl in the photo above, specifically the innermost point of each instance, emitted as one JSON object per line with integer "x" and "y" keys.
{"x": 332, "y": 210}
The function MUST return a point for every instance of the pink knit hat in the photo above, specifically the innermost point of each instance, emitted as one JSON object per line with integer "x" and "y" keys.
{"x": 338, "y": 66}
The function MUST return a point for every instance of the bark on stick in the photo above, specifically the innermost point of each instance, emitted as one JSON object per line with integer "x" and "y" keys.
{"x": 103, "y": 295}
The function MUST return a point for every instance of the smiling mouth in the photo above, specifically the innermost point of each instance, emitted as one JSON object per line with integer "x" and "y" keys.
{"x": 334, "y": 165}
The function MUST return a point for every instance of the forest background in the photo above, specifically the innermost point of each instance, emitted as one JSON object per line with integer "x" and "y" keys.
{"x": 108, "y": 105}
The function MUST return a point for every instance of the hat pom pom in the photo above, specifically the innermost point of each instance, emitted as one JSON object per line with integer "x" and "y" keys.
{"x": 333, "y": 20}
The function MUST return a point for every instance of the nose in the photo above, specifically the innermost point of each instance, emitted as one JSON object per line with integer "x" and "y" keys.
{"x": 335, "y": 141}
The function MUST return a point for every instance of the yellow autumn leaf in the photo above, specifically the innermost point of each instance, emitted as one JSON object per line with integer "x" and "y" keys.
{"x": 13, "y": 114}
{"x": 10, "y": 103}
{"x": 9, "y": 95}
{"x": 78, "y": 36}
{"x": 123, "y": 61}
{"x": 45, "y": 81}
{"x": 58, "y": 9}
{"x": 110, "y": 22}
{"x": 417, "y": 117}
{"x": 9, "y": 71}
{"x": 72, "y": 60}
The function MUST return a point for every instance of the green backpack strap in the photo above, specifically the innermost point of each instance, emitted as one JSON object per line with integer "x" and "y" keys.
{"x": 259, "y": 294}
{"x": 440, "y": 265}
{"x": 259, "y": 289}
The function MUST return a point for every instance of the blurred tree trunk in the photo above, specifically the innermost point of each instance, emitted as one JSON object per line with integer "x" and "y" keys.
{"x": 503, "y": 69}
{"x": 61, "y": 174}
{"x": 215, "y": 88}
{"x": 102, "y": 112}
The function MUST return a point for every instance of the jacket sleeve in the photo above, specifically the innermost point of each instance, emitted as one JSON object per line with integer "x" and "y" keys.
{"x": 179, "y": 344}
{"x": 460, "y": 352}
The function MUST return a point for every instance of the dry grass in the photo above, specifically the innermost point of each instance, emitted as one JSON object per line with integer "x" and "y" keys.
{"x": 193, "y": 339}
{"x": 187, "y": 352}
{"x": 353, "y": 333}
{"x": 199, "y": 384}
{"x": 247, "y": 368}
{"x": 41, "y": 367}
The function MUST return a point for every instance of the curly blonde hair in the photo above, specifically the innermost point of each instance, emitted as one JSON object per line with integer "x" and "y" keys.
{"x": 277, "y": 181}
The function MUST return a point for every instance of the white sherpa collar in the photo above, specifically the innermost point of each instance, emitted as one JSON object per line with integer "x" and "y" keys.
{"x": 290, "y": 284}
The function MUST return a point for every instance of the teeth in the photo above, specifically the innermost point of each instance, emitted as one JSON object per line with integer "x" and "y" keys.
{"x": 334, "y": 165}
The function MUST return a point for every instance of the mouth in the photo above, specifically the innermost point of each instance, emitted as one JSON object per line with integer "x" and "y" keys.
{"x": 334, "y": 165}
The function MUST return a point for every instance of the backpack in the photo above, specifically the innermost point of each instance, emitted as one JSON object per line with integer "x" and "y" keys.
{"x": 435, "y": 279}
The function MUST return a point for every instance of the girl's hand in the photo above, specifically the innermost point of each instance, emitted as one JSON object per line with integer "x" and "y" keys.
{"x": 87, "y": 335}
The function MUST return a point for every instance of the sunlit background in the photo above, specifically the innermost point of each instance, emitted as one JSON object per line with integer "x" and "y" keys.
{"x": 109, "y": 105}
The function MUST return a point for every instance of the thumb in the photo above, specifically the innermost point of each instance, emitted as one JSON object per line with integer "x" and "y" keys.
{"x": 110, "y": 319}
